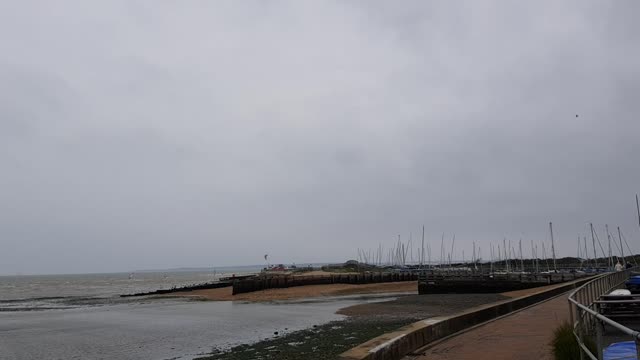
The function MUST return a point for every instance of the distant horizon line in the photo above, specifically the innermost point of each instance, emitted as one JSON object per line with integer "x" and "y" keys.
{"x": 200, "y": 268}
{"x": 182, "y": 268}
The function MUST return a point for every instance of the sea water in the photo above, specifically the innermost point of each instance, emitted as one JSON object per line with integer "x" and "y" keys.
{"x": 83, "y": 317}
{"x": 43, "y": 291}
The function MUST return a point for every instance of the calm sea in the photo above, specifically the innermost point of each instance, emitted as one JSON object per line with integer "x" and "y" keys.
{"x": 83, "y": 317}
{"x": 40, "y": 292}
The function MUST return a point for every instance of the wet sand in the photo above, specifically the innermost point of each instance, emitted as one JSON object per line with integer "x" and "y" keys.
{"x": 315, "y": 291}
{"x": 153, "y": 329}
{"x": 420, "y": 307}
{"x": 301, "y": 292}
{"x": 363, "y": 322}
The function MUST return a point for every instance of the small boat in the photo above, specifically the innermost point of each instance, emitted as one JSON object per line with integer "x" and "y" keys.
{"x": 620, "y": 292}
{"x": 620, "y": 350}
{"x": 633, "y": 284}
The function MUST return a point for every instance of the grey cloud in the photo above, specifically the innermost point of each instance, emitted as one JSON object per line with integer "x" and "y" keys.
{"x": 140, "y": 135}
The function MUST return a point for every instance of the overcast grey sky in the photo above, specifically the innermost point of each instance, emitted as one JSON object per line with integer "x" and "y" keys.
{"x": 157, "y": 134}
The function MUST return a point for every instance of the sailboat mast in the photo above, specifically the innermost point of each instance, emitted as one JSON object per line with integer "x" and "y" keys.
{"x": 579, "y": 247}
{"x": 521, "y": 259}
{"x": 490, "y": 257}
{"x": 453, "y": 242}
{"x": 442, "y": 251}
{"x": 633, "y": 257}
{"x": 624, "y": 262}
{"x": 593, "y": 240}
{"x": 533, "y": 256}
{"x": 410, "y": 248}
{"x": 553, "y": 248}
{"x": 606, "y": 227}
{"x": 422, "y": 248}
{"x": 504, "y": 247}
{"x": 586, "y": 252}
{"x": 638, "y": 209}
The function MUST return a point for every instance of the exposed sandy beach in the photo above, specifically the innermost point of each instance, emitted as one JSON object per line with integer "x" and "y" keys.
{"x": 312, "y": 291}
{"x": 300, "y": 292}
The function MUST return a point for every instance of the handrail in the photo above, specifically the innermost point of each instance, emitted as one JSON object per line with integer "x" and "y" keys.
{"x": 584, "y": 301}
{"x": 605, "y": 319}
{"x": 598, "y": 315}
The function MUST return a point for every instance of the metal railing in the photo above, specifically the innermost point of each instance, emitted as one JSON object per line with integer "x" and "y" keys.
{"x": 586, "y": 319}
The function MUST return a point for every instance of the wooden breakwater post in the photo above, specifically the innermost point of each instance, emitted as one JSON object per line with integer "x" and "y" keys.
{"x": 212, "y": 285}
{"x": 284, "y": 281}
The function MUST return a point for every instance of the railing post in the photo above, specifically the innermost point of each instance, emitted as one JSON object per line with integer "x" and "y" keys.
{"x": 583, "y": 317}
{"x": 601, "y": 289}
{"x": 589, "y": 304}
{"x": 599, "y": 330}
{"x": 580, "y": 330}
{"x": 571, "y": 315}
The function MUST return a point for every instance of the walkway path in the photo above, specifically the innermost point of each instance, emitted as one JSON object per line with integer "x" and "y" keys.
{"x": 524, "y": 335}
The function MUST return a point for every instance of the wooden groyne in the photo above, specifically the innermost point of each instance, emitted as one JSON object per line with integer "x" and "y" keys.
{"x": 211, "y": 285}
{"x": 285, "y": 281}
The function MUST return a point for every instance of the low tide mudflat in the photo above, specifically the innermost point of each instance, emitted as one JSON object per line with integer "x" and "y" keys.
{"x": 89, "y": 321}
{"x": 363, "y": 322}
{"x": 153, "y": 328}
